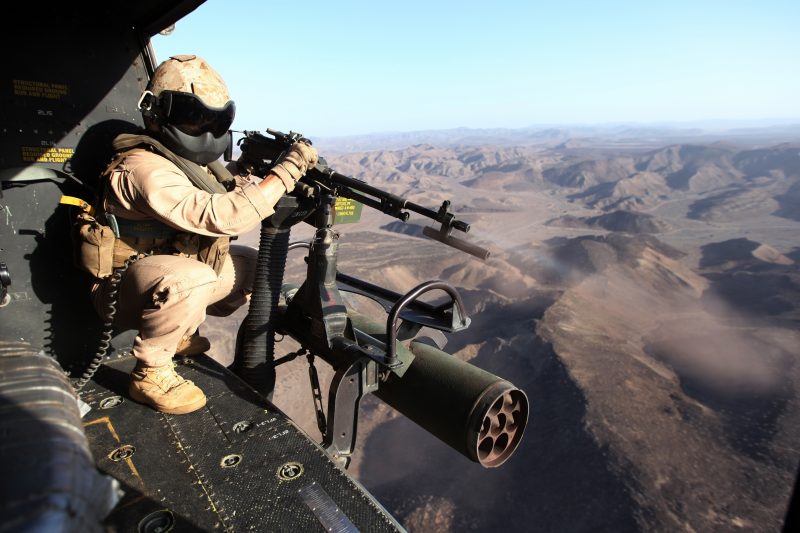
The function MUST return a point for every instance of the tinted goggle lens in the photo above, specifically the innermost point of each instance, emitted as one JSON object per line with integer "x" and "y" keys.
{"x": 190, "y": 115}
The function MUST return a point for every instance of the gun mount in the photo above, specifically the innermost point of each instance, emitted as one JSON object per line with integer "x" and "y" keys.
{"x": 477, "y": 413}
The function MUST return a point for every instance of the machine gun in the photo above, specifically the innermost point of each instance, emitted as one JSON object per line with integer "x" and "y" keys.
{"x": 477, "y": 413}
{"x": 259, "y": 150}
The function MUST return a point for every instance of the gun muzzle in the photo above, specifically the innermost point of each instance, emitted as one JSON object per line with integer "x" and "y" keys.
{"x": 473, "y": 411}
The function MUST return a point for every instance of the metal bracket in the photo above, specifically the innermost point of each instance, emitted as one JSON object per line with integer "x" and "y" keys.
{"x": 459, "y": 317}
{"x": 349, "y": 385}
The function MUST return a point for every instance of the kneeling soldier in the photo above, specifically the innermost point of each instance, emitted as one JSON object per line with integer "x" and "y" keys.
{"x": 176, "y": 207}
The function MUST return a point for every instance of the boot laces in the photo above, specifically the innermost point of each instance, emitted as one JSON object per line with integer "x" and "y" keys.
{"x": 166, "y": 378}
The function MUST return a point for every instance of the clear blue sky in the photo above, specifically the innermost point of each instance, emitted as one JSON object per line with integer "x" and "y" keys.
{"x": 345, "y": 67}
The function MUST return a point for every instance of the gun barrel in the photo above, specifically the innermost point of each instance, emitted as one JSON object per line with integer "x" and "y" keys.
{"x": 473, "y": 411}
{"x": 464, "y": 246}
{"x": 389, "y": 203}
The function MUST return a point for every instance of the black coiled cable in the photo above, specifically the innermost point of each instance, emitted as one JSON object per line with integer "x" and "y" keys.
{"x": 110, "y": 312}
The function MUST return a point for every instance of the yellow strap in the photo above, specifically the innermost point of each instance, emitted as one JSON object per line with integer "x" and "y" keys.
{"x": 77, "y": 202}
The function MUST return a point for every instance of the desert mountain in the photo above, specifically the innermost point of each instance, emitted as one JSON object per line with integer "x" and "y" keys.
{"x": 714, "y": 180}
{"x": 733, "y": 203}
{"x": 741, "y": 254}
{"x": 656, "y": 346}
{"x": 638, "y": 329}
{"x": 789, "y": 202}
{"x": 643, "y": 293}
{"x": 622, "y": 221}
{"x": 783, "y": 159}
{"x": 589, "y": 173}
{"x": 757, "y": 280}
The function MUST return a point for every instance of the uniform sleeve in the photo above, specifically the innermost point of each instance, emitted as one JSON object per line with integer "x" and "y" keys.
{"x": 150, "y": 186}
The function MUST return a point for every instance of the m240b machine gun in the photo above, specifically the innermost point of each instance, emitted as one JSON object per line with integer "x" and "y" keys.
{"x": 475, "y": 412}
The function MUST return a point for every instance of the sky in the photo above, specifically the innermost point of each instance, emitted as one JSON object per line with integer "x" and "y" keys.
{"x": 332, "y": 68}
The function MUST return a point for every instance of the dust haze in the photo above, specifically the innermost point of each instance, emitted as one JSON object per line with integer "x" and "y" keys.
{"x": 643, "y": 290}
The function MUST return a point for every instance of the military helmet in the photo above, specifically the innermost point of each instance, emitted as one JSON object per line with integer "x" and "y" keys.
{"x": 190, "y": 74}
{"x": 189, "y": 102}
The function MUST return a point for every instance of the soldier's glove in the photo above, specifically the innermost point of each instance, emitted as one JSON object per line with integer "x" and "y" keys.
{"x": 294, "y": 164}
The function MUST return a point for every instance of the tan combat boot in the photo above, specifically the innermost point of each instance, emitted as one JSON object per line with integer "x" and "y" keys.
{"x": 164, "y": 390}
{"x": 193, "y": 345}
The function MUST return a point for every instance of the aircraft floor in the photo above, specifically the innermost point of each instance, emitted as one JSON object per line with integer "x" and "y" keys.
{"x": 238, "y": 464}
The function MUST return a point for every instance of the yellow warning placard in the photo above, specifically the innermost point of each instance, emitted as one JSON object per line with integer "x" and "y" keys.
{"x": 40, "y": 89}
{"x": 347, "y": 211}
{"x": 45, "y": 154}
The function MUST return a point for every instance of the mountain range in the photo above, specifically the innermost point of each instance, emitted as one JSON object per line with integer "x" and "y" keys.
{"x": 645, "y": 295}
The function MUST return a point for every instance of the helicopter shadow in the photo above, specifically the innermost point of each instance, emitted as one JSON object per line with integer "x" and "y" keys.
{"x": 50, "y": 306}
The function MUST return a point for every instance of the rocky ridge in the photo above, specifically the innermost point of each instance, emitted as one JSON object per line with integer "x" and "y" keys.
{"x": 646, "y": 299}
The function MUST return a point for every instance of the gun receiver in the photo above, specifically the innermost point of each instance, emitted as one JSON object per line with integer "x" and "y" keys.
{"x": 260, "y": 151}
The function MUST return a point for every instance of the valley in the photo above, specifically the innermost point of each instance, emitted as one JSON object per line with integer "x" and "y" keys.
{"x": 643, "y": 290}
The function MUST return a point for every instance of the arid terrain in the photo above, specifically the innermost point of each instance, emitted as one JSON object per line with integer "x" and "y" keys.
{"x": 643, "y": 290}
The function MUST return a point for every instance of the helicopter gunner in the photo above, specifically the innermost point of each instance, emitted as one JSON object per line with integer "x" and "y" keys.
{"x": 176, "y": 207}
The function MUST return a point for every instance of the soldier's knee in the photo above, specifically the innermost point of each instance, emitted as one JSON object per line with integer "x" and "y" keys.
{"x": 189, "y": 281}
{"x": 244, "y": 264}
{"x": 245, "y": 253}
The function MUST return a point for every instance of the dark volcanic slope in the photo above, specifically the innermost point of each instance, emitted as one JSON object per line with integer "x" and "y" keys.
{"x": 753, "y": 278}
{"x": 730, "y": 205}
{"x": 789, "y": 203}
{"x": 621, "y": 221}
{"x": 406, "y": 228}
{"x": 628, "y": 222}
{"x": 744, "y": 254}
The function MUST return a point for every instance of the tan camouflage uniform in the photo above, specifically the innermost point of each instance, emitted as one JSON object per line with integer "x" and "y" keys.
{"x": 166, "y": 297}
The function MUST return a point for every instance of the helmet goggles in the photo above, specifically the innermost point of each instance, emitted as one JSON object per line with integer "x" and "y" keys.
{"x": 188, "y": 113}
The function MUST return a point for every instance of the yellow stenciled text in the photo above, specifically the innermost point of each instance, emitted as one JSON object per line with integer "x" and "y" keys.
{"x": 40, "y": 89}
{"x": 38, "y": 154}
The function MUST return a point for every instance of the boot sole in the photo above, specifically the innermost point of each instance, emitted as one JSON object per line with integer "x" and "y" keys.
{"x": 180, "y": 410}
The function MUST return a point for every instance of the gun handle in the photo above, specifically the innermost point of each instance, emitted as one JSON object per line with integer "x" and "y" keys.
{"x": 455, "y": 242}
